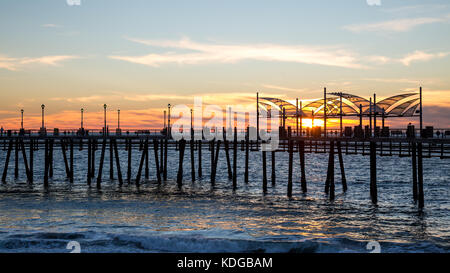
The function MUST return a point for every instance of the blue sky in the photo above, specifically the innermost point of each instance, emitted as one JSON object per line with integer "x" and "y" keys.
{"x": 139, "y": 54}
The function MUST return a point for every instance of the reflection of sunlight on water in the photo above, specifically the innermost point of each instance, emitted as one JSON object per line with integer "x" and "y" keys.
{"x": 202, "y": 211}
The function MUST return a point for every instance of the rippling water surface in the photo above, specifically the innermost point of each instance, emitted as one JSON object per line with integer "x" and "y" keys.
{"x": 203, "y": 218}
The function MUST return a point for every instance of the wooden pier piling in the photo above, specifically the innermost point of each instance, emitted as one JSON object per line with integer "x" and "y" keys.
{"x": 264, "y": 169}
{"x": 211, "y": 173}
{"x": 8, "y": 156}
{"x": 291, "y": 159}
{"x": 373, "y": 172}
{"x": 111, "y": 159}
{"x": 89, "y": 172}
{"x": 47, "y": 163}
{"x": 51, "y": 143}
{"x": 341, "y": 165}
{"x": 235, "y": 159}
{"x": 100, "y": 167}
{"x": 129, "y": 162}
{"x": 71, "y": 159}
{"x": 301, "y": 151}
{"x": 420, "y": 175}
{"x": 157, "y": 166}
{"x": 192, "y": 146}
{"x": 414, "y": 170}
{"x": 200, "y": 173}
{"x": 180, "y": 163}
{"x": 16, "y": 160}
{"x": 273, "y": 177}
{"x": 119, "y": 172}
{"x": 331, "y": 181}
{"x": 166, "y": 144}
{"x": 141, "y": 164}
{"x": 31, "y": 161}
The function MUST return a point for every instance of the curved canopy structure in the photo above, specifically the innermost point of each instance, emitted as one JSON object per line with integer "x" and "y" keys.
{"x": 402, "y": 105}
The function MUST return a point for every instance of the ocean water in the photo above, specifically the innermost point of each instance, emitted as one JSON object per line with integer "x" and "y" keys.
{"x": 205, "y": 218}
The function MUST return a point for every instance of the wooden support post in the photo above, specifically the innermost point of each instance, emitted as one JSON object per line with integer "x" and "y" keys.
{"x": 192, "y": 146}
{"x": 25, "y": 160}
{"x": 165, "y": 159}
{"x": 119, "y": 172}
{"x": 264, "y": 169}
{"x": 180, "y": 163}
{"x": 301, "y": 151}
{"x": 330, "y": 158}
{"x": 420, "y": 175}
{"x": 47, "y": 163}
{"x": 66, "y": 163}
{"x": 141, "y": 164}
{"x": 111, "y": 159}
{"x": 332, "y": 187}
{"x": 158, "y": 171}
{"x": 31, "y": 160}
{"x": 414, "y": 170}
{"x": 147, "y": 170}
{"x": 235, "y": 159}
{"x": 71, "y": 161}
{"x": 50, "y": 157}
{"x": 273, "y": 178}
{"x": 216, "y": 159}
{"x": 100, "y": 167}
{"x": 373, "y": 172}
{"x": 227, "y": 154}
{"x": 211, "y": 173}
{"x": 291, "y": 161}
{"x": 8, "y": 155}
{"x": 129, "y": 161}
{"x": 16, "y": 160}
{"x": 341, "y": 165}
{"x": 247, "y": 148}
{"x": 89, "y": 172}
{"x": 94, "y": 148}
{"x": 200, "y": 174}
{"x": 161, "y": 167}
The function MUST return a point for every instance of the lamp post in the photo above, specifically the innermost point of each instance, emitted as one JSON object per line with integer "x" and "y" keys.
{"x": 43, "y": 108}
{"x": 168, "y": 119}
{"x": 165, "y": 113}
{"x": 104, "y": 115}
{"x": 21, "y": 120}
{"x": 192, "y": 122}
{"x": 82, "y": 118}
{"x": 118, "y": 119}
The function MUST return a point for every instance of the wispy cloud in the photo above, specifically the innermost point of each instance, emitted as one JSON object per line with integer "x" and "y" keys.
{"x": 418, "y": 55}
{"x": 232, "y": 53}
{"x": 282, "y": 88}
{"x": 51, "y": 26}
{"x": 397, "y": 25}
{"x": 14, "y": 64}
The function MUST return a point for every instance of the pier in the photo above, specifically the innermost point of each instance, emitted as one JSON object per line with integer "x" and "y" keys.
{"x": 21, "y": 149}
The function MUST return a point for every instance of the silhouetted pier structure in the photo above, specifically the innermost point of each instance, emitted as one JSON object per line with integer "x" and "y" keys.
{"x": 155, "y": 147}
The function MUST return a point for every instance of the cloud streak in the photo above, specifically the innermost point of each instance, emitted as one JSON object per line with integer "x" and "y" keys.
{"x": 14, "y": 64}
{"x": 204, "y": 53}
{"x": 418, "y": 56}
{"x": 398, "y": 25}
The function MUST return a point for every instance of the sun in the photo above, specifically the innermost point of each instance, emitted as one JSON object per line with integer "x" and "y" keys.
{"x": 308, "y": 123}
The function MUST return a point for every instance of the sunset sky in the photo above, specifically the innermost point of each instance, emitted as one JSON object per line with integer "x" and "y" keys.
{"x": 140, "y": 55}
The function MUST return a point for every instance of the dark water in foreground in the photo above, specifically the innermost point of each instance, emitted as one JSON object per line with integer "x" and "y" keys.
{"x": 201, "y": 218}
